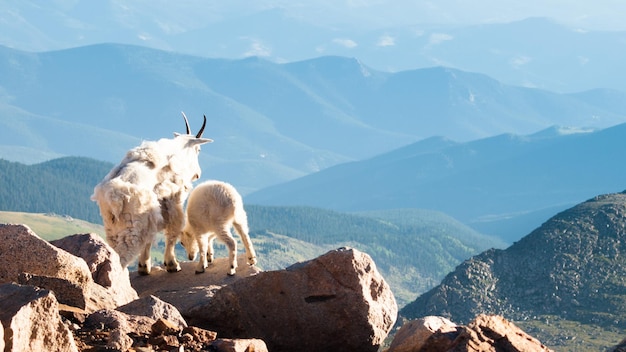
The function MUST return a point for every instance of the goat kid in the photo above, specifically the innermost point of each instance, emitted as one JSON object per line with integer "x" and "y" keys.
{"x": 145, "y": 193}
{"x": 212, "y": 209}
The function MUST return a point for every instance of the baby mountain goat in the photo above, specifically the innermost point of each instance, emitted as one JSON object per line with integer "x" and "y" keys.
{"x": 145, "y": 193}
{"x": 212, "y": 209}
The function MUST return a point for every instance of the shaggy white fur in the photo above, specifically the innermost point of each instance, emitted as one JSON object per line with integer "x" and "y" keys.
{"x": 212, "y": 209}
{"x": 145, "y": 193}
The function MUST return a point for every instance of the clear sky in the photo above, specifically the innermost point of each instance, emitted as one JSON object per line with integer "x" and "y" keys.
{"x": 598, "y": 14}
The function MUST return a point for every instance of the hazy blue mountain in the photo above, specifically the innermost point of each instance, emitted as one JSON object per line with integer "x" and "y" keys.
{"x": 504, "y": 185}
{"x": 533, "y": 52}
{"x": 271, "y": 122}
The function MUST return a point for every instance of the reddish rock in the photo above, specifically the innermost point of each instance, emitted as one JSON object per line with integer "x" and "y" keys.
{"x": 155, "y": 309}
{"x": 433, "y": 332}
{"x": 103, "y": 262}
{"x": 336, "y": 302}
{"x": 494, "y": 333}
{"x": 200, "y": 335}
{"x": 22, "y": 251}
{"x": 31, "y": 320}
{"x": 238, "y": 345}
{"x": 486, "y": 333}
{"x": 30, "y": 260}
{"x": 185, "y": 288}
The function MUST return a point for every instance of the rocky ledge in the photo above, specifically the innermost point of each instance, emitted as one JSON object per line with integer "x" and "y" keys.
{"x": 72, "y": 295}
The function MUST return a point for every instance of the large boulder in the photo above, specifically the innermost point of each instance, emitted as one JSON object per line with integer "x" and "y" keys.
{"x": 486, "y": 333}
{"x": 28, "y": 259}
{"x": 31, "y": 320}
{"x": 22, "y": 251}
{"x": 103, "y": 262}
{"x": 336, "y": 302}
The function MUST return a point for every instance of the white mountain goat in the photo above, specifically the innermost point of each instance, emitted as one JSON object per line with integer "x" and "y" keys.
{"x": 145, "y": 193}
{"x": 212, "y": 209}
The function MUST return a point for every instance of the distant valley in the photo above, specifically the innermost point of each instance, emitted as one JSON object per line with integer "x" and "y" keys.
{"x": 413, "y": 248}
{"x": 328, "y": 132}
{"x": 505, "y": 185}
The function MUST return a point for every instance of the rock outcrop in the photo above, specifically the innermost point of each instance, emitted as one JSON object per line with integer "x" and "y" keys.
{"x": 79, "y": 298}
{"x": 573, "y": 266}
{"x": 336, "y": 302}
{"x": 18, "y": 245}
{"x": 186, "y": 289}
{"x": 68, "y": 275}
{"x": 486, "y": 333}
{"x": 31, "y": 320}
{"x": 339, "y": 295}
{"x": 103, "y": 263}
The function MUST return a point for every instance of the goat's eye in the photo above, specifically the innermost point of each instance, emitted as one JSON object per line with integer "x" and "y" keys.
{"x": 195, "y": 177}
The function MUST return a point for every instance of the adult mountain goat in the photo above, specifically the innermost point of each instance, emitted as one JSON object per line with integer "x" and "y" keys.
{"x": 145, "y": 193}
{"x": 212, "y": 209}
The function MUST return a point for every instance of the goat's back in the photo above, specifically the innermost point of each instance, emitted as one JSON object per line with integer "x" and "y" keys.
{"x": 213, "y": 203}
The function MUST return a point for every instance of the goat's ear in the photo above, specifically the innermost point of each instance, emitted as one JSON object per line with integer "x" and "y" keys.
{"x": 176, "y": 134}
{"x": 199, "y": 141}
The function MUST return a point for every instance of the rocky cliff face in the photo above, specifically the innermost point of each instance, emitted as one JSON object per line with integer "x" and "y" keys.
{"x": 573, "y": 266}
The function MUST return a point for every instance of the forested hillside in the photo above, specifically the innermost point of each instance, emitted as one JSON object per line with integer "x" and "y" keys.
{"x": 62, "y": 186}
{"x": 413, "y": 248}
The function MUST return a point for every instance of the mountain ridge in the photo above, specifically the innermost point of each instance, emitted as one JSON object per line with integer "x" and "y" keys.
{"x": 278, "y": 121}
{"x": 501, "y": 177}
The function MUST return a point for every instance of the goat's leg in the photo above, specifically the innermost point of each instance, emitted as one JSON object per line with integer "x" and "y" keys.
{"x": 145, "y": 265}
{"x": 203, "y": 243}
{"x": 231, "y": 244}
{"x": 172, "y": 210}
{"x": 242, "y": 230}
{"x": 169, "y": 257}
{"x": 210, "y": 254}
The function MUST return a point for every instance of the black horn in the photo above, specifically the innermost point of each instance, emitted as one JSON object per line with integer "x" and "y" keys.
{"x": 201, "y": 128}
{"x": 186, "y": 122}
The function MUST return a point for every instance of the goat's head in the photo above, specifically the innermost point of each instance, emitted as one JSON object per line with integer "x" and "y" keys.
{"x": 183, "y": 159}
{"x": 188, "y": 241}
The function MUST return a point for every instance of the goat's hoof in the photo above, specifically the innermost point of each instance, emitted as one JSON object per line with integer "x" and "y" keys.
{"x": 199, "y": 271}
{"x": 143, "y": 269}
{"x": 172, "y": 267}
{"x": 232, "y": 271}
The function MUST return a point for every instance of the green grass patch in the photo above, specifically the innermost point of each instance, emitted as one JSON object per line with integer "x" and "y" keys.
{"x": 51, "y": 226}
